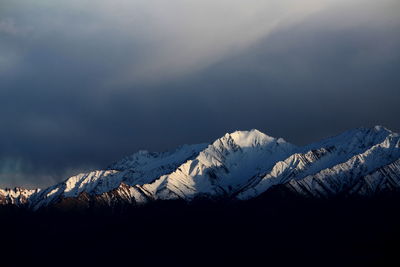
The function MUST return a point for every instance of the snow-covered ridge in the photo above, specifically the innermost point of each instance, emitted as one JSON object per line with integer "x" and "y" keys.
{"x": 222, "y": 167}
{"x": 343, "y": 177}
{"x": 16, "y": 196}
{"x": 139, "y": 168}
{"x": 145, "y": 160}
{"x": 243, "y": 165}
{"x": 318, "y": 156}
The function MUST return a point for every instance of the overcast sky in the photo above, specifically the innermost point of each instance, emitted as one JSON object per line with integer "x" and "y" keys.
{"x": 83, "y": 83}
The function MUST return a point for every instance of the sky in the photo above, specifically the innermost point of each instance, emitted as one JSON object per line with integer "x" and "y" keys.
{"x": 84, "y": 83}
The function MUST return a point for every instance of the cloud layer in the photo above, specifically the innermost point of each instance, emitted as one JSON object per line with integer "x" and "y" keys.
{"x": 83, "y": 83}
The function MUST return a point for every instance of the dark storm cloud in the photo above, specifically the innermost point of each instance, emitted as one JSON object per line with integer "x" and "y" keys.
{"x": 82, "y": 84}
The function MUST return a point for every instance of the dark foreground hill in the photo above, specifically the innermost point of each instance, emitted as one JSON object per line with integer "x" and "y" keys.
{"x": 271, "y": 230}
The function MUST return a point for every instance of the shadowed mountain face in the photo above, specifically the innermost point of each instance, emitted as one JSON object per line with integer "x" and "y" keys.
{"x": 241, "y": 165}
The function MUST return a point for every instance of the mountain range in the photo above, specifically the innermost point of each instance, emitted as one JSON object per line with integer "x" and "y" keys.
{"x": 241, "y": 165}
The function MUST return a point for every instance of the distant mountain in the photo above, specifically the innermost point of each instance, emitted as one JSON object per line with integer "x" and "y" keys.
{"x": 17, "y": 196}
{"x": 240, "y": 165}
{"x": 333, "y": 166}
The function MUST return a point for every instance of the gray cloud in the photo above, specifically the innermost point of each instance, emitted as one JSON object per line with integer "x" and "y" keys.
{"x": 83, "y": 83}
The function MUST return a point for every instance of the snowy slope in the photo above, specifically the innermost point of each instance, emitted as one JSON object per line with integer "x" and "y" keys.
{"x": 344, "y": 177}
{"x": 139, "y": 168}
{"x": 223, "y": 167}
{"x": 17, "y": 196}
{"x": 316, "y": 157}
{"x": 384, "y": 179}
{"x": 144, "y": 166}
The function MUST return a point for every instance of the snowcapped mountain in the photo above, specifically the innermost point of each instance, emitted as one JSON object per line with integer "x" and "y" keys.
{"x": 348, "y": 177}
{"x": 330, "y": 155}
{"x": 137, "y": 169}
{"x": 241, "y": 165}
{"x": 223, "y": 167}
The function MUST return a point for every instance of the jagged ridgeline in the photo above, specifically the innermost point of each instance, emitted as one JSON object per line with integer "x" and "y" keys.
{"x": 240, "y": 165}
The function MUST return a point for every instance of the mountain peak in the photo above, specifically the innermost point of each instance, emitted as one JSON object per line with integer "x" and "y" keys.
{"x": 380, "y": 128}
{"x": 251, "y": 138}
